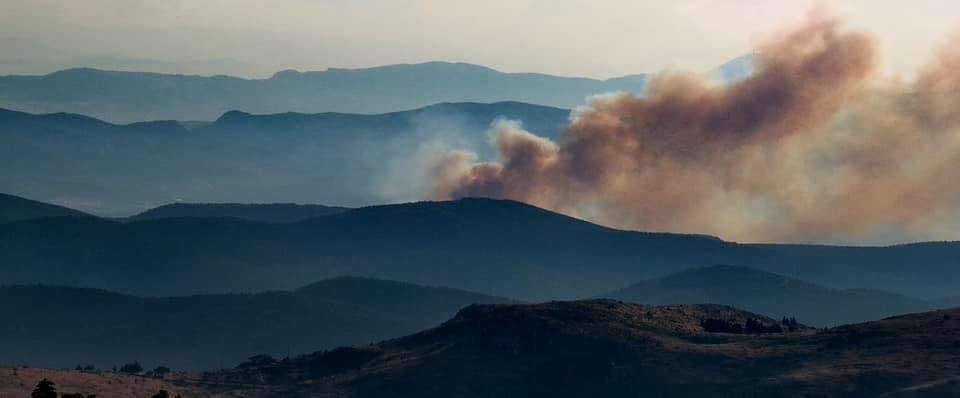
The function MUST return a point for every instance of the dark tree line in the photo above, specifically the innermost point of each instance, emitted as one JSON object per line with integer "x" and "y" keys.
{"x": 132, "y": 368}
{"x": 752, "y": 326}
{"x": 790, "y": 323}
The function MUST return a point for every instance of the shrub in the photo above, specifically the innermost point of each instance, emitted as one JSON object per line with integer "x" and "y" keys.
{"x": 132, "y": 368}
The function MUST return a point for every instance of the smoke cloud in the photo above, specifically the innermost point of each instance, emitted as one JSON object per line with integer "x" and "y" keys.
{"x": 812, "y": 147}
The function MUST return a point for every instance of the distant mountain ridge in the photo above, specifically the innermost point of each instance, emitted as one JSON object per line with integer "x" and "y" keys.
{"x": 272, "y": 212}
{"x": 330, "y": 158}
{"x": 136, "y": 96}
{"x": 52, "y": 326}
{"x": 772, "y": 295}
{"x": 15, "y": 208}
{"x": 495, "y": 247}
{"x": 25, "y": 56}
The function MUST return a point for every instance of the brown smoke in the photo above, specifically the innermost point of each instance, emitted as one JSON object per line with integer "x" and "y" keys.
{"x": 811, "y": 147}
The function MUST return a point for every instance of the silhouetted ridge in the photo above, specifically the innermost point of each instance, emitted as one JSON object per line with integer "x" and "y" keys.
{"x": 15, "y": 208}
{"x": 771, "y": 294}
{"x": 609, "y": 348}
{"x": 493, "y": 218}
{"x": 273, "y": 212}
{"x": 496, "y": 247}
{"x": 15, "y": 119}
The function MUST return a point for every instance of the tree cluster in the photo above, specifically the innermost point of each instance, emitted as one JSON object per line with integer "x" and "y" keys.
{"x": 790, "y": 323}
{"x": 752, "y": 326}
{"x": 47, "y": 389}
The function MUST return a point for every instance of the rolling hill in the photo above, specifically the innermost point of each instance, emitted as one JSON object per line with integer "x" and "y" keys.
{"x": 15, "y": 208}
{"x": 496, "y": 247}
{"x": 608, "y": 348}
{"x": 49, "y": 326}
{"x": 270, "y": 213}
{"x": 326, "y": 158}
{"x": 772, "y": 295}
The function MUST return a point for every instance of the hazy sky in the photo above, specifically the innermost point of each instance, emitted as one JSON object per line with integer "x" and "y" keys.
{"x": 596, "y": 38}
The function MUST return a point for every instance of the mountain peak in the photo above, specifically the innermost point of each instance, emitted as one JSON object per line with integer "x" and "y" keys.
{"x": 233, "y": 115}
{"x": 286, "y": 74}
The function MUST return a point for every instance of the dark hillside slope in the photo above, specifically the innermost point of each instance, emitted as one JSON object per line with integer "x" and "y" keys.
{"x": 498, "y": 247}
{"x": 611, "y": 349}
{"x": 15, "y": 208}
{"x": 60, "y": 326}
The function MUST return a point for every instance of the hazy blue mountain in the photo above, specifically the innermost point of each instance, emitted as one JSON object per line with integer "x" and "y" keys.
{"x": 329, "y": 158}
{"x": 19, "y": 56}
{"x": 135, "y": 96}
{"x": 271, "y": 213}
{"x": 772, "y": 295}
{"x": 495, "y": 247}
{"x": 128, "y": 96}
{"x": 15, "y": 208}
{"x": 63, "y": 326}
{"x": 734, "y": 70}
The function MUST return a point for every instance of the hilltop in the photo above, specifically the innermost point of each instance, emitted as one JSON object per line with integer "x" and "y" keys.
{"x": 771, "y": 294}
{"x": 609, "y": 348}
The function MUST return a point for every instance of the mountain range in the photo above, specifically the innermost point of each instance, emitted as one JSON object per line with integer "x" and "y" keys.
{"x": 493, "y": 346}
{"x": 495, "y": 247}
{"x": 331, "y": 158}
{"x": 220, "y": 139}
{"x": 126, "y": 97}
{"x": 53, "y": 326}
{"x": 234, "y": 229}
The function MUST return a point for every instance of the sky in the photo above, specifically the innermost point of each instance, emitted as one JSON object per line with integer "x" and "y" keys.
{"x": 591, "y": 38}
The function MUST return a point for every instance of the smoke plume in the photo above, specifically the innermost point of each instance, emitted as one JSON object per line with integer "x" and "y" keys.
{"x": 811, "y": 147}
